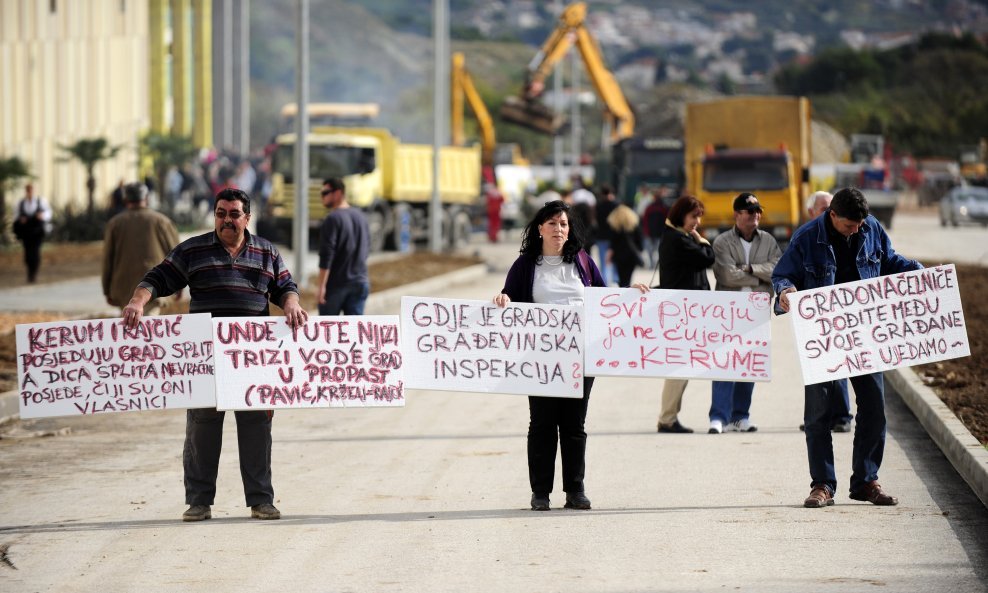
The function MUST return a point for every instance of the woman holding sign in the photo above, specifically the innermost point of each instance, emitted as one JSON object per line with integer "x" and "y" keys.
{"x": 554, "y": 269}
{"x": 684, "y": 257}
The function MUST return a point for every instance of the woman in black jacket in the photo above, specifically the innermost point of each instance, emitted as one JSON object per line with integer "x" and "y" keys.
{"x": 684, "y": 257}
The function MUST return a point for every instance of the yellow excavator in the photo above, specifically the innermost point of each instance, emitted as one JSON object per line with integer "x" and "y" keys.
{"x": 529, "y": 112}
{"x": 463, "y": 92}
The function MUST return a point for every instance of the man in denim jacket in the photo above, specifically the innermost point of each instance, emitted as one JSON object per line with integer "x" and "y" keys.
{"x": 844, "y": 245}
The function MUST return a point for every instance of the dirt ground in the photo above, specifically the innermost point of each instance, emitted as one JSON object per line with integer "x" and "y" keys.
{"x": 961, "y": 383}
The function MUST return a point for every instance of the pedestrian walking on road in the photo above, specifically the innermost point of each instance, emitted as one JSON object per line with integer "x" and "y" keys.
{"x": 344, "y": 245}
{"x": 135, "y": 240}
{"x": 743, "y": 261}
{"x": 553, "y": 268}
{"x": 625, "y": 252}
{"x": 230, "y": 273}
{"x": 684, "y": 258}
{"x": 32, "y": 224}
{"x": 845, "y": 244}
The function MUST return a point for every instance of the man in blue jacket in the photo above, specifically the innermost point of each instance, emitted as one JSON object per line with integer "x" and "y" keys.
{"x": 846, "y": 244}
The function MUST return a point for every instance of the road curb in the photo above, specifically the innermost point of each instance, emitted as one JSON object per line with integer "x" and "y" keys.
{"x": 964, "y": 452}
{"x": 378, "y": 303}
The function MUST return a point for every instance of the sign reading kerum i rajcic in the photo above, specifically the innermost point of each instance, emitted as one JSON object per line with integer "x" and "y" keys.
{"x": 464, "y": 345}
{"x": 699, "y": 334}
{"x": 262, "y": 363}
{"x": 97, "y": 366}
{"x": 879, "y": 324}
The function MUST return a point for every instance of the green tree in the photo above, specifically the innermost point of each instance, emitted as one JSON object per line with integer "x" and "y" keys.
{"x": 12, "y": 170}
{"x": 89, "y": 152}
{"x": 166, "y": 151}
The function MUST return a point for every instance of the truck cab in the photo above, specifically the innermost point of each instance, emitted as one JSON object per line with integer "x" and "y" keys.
{"x": 769, "y": 174}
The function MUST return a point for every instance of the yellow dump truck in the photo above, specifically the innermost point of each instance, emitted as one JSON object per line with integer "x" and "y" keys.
{"x": 390, "y": 180}
{"x": 749, "y": 144}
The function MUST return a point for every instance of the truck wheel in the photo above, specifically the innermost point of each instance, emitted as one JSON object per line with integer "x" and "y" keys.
{"x": 399, "y": 236}
{"x": 375, "y": 220}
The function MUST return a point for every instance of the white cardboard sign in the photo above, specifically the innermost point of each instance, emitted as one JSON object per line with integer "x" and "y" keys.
{"x": 96, "y": 366}
{"x": 463, "y": 345}
{"x": 879, "y": 324}
{"x": 685, "y": 334}
{"x": 329, "y": 362}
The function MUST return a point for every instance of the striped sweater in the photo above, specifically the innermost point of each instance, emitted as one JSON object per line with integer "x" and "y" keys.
{"x": 219, "y": 283}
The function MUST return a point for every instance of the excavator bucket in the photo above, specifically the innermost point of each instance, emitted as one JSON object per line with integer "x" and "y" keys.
{"x": 532, "y": 115}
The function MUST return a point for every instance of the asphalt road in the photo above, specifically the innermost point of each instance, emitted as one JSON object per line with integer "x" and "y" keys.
{"x": 434, "y": 497}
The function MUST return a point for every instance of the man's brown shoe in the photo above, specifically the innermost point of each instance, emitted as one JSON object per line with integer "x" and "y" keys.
{"x": 873, "y": 493}
{"x": 819, "y": 497}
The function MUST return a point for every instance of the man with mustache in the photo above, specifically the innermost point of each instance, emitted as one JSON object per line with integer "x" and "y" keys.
{"x": 230, "y": 273}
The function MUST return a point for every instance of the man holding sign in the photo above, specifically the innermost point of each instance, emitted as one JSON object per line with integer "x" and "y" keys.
{"x": 230, "y": 273}
{"x": 845, "y": 244}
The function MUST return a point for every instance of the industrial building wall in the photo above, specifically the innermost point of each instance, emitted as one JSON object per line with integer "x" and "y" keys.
{"x": 72, "y": 70}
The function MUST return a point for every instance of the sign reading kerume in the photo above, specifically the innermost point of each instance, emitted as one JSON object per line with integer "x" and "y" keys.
{"x": 679, "y": 333}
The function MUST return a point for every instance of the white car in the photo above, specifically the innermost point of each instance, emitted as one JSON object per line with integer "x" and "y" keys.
{"x": 966, "y": 203}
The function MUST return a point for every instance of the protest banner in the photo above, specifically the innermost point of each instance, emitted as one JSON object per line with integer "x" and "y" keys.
{"x": 879, "y": 324}
{"x": 461, "y": 345}
{"x": 685, "y": 334}
{"x": 262, "y": 363}
{"x": 97, "y": 366}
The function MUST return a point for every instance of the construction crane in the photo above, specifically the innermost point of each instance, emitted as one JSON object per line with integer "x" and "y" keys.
{"x": 529, "y": 112}
{"x": 463, "y": 92}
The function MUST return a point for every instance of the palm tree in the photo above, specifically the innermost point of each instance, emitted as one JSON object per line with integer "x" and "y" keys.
{"x": 89, "y": 152}
{"x": 12, "y": 170}
{"x": 167, "y": 151}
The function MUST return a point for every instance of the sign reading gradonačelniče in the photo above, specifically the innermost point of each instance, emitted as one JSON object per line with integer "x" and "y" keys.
{"x": 879, "y": 324}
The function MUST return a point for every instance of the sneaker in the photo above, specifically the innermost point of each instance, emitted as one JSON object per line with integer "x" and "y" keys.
{"x": 742, "y": 425}
{"x": 819, "y": 497}
{"x": 675, "y": 427}
{"x": 540, "y": 502}
{"x": 577, "y": 500}
{"x": 197, "y": 512}
{"x": 264, "y": 511}
{"x": 842, "y": 427}
{"x": 716, "y": 427}
{"x": 873, "y": 493}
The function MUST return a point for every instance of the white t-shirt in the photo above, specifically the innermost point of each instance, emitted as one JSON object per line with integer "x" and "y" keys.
{"x": 557, "y": 282}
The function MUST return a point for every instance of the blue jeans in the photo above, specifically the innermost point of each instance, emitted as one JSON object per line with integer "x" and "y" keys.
{"x": 607, "y": 272}
{"x": 842, "y": 403}
{"x": 869, "y": 431}
{"x": 348, "y": 299}
{"x": 730, "y": 401}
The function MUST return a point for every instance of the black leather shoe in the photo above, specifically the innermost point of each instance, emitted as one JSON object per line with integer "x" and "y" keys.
{"x": 674, "y": 427}
{"x": 577, "y": 500}
{"x": 540, "y": 502}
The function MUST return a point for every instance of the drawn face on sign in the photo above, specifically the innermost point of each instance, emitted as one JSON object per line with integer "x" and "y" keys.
{"x": 760, "y": 300}
{"x": 554, "y": 232}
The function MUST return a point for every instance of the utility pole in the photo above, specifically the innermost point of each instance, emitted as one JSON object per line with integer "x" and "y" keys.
{"x": 440, "y": 114}
{"x": 301, "y": 230}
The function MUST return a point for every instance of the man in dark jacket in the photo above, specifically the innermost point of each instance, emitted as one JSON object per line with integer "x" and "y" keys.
{"x": 845, "y": 244}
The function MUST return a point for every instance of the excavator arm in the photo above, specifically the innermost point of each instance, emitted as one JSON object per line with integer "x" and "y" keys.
{"x": 527, "y": 111}
{"x": 462, "y": 88}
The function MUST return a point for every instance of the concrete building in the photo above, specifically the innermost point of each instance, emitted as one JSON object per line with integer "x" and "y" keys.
{"x": 101, "y": 68}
